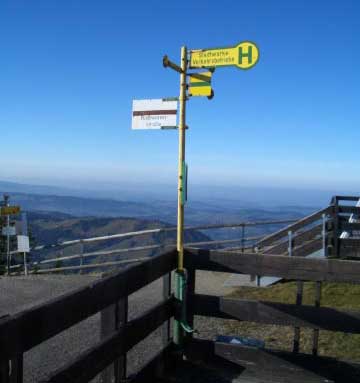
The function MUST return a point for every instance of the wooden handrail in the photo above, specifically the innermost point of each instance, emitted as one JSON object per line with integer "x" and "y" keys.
{"x": 24, "y": 330}
{"x": 298, "y": 268}
{"x": 298, "y": 240}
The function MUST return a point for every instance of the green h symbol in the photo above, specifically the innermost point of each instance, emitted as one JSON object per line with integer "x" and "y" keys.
{"x": 247, "y": 54}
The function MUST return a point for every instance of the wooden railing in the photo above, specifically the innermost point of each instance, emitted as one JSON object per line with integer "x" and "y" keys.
{"x": 264, "y": 312}
{"x": 48, "y": 265}
{"x": 21, "y": 332}
{"x": 346, "y": 219}
{"x": 303, "y": 236}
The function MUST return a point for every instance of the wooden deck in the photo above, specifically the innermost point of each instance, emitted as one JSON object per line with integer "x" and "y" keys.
{"x": 210, "y": 362}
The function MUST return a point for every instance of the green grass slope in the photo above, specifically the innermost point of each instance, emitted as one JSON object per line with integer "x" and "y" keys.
{"x": 335, "y": 344}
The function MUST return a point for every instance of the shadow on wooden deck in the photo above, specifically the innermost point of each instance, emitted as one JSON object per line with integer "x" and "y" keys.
{"x": 210, "y": 362}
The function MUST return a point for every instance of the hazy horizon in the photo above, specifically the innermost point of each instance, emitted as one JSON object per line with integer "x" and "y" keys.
{"x": 251, "y": 195}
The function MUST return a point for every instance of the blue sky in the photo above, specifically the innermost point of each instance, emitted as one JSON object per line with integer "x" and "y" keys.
{"x": 70, "y": 69}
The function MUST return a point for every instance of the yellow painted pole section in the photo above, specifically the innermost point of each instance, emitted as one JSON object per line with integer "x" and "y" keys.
{"x": 182, "y": 129}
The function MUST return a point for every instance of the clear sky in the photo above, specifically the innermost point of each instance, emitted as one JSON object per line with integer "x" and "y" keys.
{"x": 69, "y": 70}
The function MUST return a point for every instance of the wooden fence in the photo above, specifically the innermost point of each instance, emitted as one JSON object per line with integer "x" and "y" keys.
{"x": 264, "y": 312}
{"x": 23, "y": 331}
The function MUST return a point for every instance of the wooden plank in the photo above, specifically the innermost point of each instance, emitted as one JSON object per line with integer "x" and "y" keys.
{"x": 121, "y": 318}
{"x": 107, "y": 327}
{"x": 308, "y": 248}
{"x": 349, "y": 252}
{"x": 306, "y": 269}
{"x": 166, "y": 327}
{"x": 31, "y": 327}
{"x": 190, "y": 290}
{"x": 11, "y": 371}
{"x": 277, "y": 366}
{"x": 294, "y": 227}
{"x": 346, "y": 198}
{"x": 324, "y": 318}
{"x": 4, "y": 371}
{"x": 345, "y": 225}
{"x": 334, "y": 249}
{"x": 349, "y": 209}
{"x": 298, "y": 240}
{"x": 149, "y": 373}
{"x": 350, "y": 242}
{"x": 316, "y": 331}
{"x": 112, "y": 319}
{"x": 90, "y": 363}
{"x": 299, "y": 298}
{"x": 166, "y": 295}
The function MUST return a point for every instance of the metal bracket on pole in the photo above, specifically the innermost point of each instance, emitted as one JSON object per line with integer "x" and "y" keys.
{"x": 170, "y": 64}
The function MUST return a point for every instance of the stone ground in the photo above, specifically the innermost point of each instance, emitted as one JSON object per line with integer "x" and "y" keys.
{"x": 19, "y": 293}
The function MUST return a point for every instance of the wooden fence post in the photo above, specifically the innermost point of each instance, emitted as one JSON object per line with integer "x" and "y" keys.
{"x": 112, "y": 319}
{"x": 165, "y": 328}
{"x": 299, "y": 294}
{"x": 316, "y": 331}
{"x": 190, "y": 291}
{"x": 11, "y": 371}
{"x": 335, "y": 251}
{"x": 166, "y": 294}
{"x": 4, "y": 371}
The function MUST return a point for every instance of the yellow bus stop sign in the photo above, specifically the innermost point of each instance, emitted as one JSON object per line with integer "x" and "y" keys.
{"x": 200, "y": 84}
{"x": 244, "y": 56}
{"x": 10, "y": 210}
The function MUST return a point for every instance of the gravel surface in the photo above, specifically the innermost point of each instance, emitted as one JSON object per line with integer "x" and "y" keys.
{"x": 19, "y": 293}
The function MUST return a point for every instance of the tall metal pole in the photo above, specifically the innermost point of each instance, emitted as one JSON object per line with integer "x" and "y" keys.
{"x": 181, "y": 167}
{"x": 179, "y": 275}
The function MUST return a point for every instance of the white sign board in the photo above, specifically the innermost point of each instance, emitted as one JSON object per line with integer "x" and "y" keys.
{"x": 154, "y": 114}
{"x": 23, "y": 244}
{"x": 8, "y": 230}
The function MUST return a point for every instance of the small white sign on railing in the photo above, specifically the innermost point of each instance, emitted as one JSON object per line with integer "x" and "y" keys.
{"x": 23, "y": 244}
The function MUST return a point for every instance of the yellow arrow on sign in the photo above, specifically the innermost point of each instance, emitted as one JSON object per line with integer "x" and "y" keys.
{"x": 244, "y": 56}
{"x": 10, "y": 210}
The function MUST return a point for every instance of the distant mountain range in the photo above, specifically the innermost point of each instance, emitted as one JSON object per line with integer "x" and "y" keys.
{"x": 216, "y": 194}
{"x": 54, "y": 218}
{"x": 52, "y": 228}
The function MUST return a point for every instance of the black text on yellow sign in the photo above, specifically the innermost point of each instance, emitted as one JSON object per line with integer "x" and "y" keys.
{"x": 244, "y": 56}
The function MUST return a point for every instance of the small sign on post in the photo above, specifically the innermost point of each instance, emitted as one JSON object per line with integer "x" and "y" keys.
{"x": 154, "y": 114}
{"x": 10, "y": 210}
{"x": 200, "y": 84}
